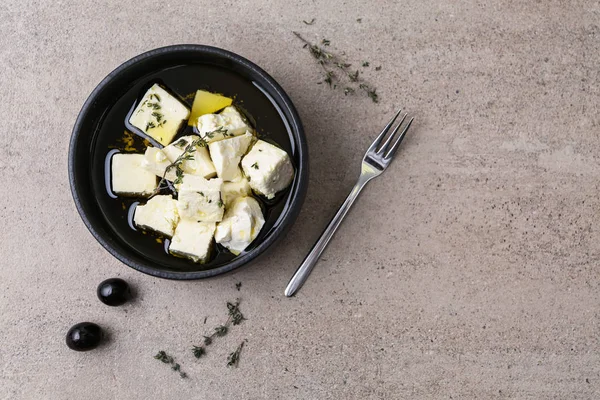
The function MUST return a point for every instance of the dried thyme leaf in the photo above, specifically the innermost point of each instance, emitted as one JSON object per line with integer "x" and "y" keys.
{"x": 234, "y": 358}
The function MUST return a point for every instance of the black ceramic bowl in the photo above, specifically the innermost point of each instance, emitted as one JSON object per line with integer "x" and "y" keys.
{"x": 182, "y": 68}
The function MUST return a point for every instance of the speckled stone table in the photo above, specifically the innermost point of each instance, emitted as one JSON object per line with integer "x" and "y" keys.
{"x": 469, "y": 270}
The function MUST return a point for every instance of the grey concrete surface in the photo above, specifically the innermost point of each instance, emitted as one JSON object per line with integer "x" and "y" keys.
{"x": 469, "y": 270}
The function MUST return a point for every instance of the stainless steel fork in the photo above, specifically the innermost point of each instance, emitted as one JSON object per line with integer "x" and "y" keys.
{"x": 376, "y": 160}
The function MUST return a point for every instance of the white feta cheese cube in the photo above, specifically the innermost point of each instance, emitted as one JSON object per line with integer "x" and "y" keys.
{"x": 200, "y": 164}
{"x": 159, "y": 114}
{"x": 128, "y": 177}
{"x": 158, "y": 214}
{"x": 241, "y": 225}
{"x": 234, "y": 122}
{"x": 156, "y": 161}
{"x": 268, "y": 168}
{"x": 232, "y": 190}
{"x": 200, "y": 199}
{"x": 228, "y": 123}
{"x": 226, "y": 155}
{"x": 193, "y": 240}
{"x": 211, "y": 127}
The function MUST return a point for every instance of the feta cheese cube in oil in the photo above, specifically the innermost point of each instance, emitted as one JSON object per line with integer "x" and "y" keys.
{"x": 232, "y": 190}
{"x": 156, "y": 161}
{"x": 193, "y": 240}
{"x": 211, "y": 127}
{"x": 226, "y": 155}
{"x": 158, "y": 214}
{"x": 129, "y": 177}
{"x": 159, "y": 114}
{"x": 268, "y": 168}
{"x": 226, "y": 124}
{"x": 241, "y": 225}
{"x": 234, "y": 122}
{"x": 199, "y": 199}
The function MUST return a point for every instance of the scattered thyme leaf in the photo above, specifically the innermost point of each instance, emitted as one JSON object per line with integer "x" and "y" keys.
{"x": 329, "y": 76}
{"x": 359, "y": 20}
{"x": 163, "y": 357}
{"x": 183, "y": 375}
{"x": 365, "y": 64}
{"x": 349, "y": 90}
{"x": 180, "y": 143}
{"x": 235, "y": 314}
{"x": 176, "y": 367}
{"x": 220, "y": 203}
{"x": 150, "y": 125}
{"x": 179, "y": 174}
{"x": 221, "y": 330}
{"x": 158, "y": 116}
{"x": 373, "y": 95}
{"x": 238, "y": 286}
{"x": 234, "y": 358}
{"x": 311, "y": 22}
{"x": 255, "y": 165}
{"x": 325, "y": 42}
{"x": 212, "y": 134}
{"x": 198, "y": 351}
{"x": 207, "y": 340}
{"x": 353, "y": 77}
{"x": 154, "y": 106}
{"x": 378, "y": 68}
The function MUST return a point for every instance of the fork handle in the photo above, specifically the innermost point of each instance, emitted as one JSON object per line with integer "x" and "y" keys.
{"x": 311, "y": 259}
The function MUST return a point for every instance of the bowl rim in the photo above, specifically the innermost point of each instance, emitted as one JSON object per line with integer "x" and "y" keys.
{"x": 298, "y": 190}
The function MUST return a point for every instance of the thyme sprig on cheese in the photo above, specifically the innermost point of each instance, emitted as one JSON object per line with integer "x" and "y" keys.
{"x": 185, "y": 156}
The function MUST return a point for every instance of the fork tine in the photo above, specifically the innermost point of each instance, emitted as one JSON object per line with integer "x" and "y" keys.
{"x": 385, "y": 145}
{"x": 385, "y": 130}
{"x": 396, "y": 144}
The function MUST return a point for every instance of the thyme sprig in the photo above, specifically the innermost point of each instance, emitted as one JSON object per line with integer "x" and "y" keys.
{"x": 163, "y": 357}
{"x": 234, "y": 358}
{"x": 235, "y": 318}
{"x": 187, "y": 155}
{"x": 330, "y": 62}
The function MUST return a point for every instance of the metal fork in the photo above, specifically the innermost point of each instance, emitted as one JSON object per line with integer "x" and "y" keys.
{"x": 376, "y": 160}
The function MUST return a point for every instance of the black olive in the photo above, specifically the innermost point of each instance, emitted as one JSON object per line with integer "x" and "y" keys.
{"x": 113, "y": 292}
{"x": 84, "y": 336}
